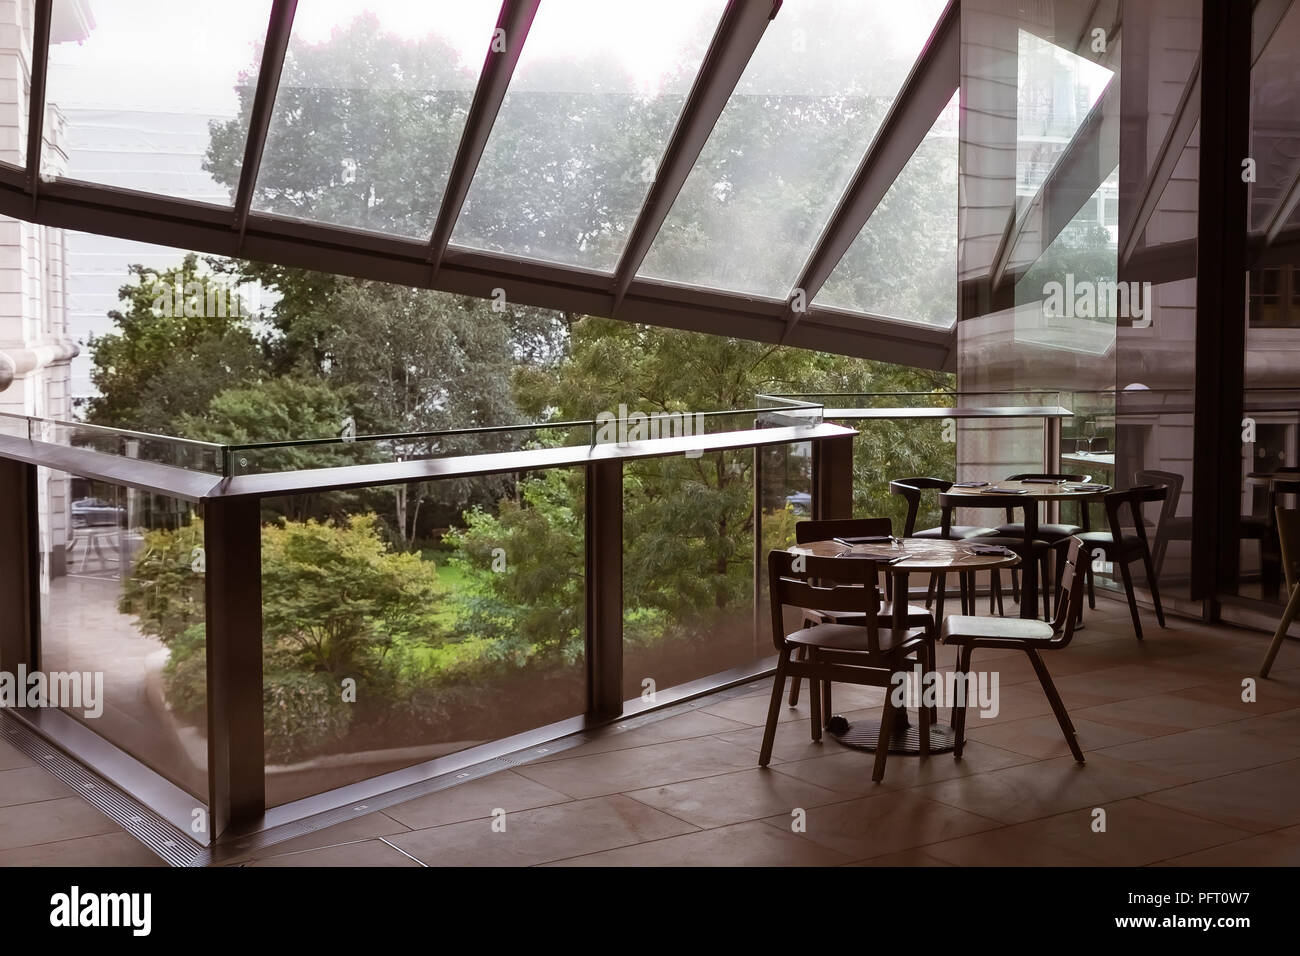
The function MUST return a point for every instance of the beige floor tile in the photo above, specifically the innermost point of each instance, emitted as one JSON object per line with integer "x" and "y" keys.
{"x": 913, "y": 857}
{"x": 67, "y": 818}
{"x": 696, "y": 723}
{"x": 1041, "y": 737}
{"x": 1008, "y": 846}
{"x": 1159, "y": 714}
{"x": 363, "y": 828}
{"x": 364, "y": 853}
{"x": 474, "y": 800}
{"x": 105, "y": 849}
{"x": 1136, "y": 833}
{"x": 1208, "y": 752}
{"x": 849, "y": 773}
{"x": 1281, "y": 848}
{"x": 641, "y": 767}
{"x": 1261, "y": 799}
{"x": 1270, "y": 697}
{"x": 1048, "y": 787}
{"x": 875, "y": 825}
{"x": 11, "y": 757}
{"x": 735, "y": 797}
{"x": 30, "y": 784}
{"x": 1127, "y": 681}
{"x": 752, "y": 710}
{"x": 744, "y": 844}
{"x": 543, "y": 835}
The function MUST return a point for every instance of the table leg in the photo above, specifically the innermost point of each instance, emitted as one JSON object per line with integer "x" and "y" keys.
{"x": 1028, "y": 565}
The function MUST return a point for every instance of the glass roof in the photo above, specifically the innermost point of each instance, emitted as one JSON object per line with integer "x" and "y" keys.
{"x": 576, "y": 145}
{"x": 788, "y": 142}
{"x": 903, "y": 263}
{"x": 372, "y": 102}
{"x": 125, "y": 125}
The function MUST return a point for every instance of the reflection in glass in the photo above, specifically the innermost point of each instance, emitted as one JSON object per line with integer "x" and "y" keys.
{"x": 787, "y": 143}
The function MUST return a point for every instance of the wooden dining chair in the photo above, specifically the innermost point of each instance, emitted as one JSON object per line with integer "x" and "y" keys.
{"x": 1022, "y": 634}
{"x": 1288, "y": 530}
{"x": 828, "y": 530}
{"x": 911, "y": 490}
{"x": 1123, "y": 545}
{"x": 867, "y": 654}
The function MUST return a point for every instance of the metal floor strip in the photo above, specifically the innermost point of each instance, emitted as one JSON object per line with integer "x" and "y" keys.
{"x": 161, "y": 837}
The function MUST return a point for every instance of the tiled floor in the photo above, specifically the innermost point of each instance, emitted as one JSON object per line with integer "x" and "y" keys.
{"x": 1180, "y": 771}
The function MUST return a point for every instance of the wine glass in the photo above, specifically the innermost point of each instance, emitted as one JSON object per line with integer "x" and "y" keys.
{"x": 1089, "y": 432}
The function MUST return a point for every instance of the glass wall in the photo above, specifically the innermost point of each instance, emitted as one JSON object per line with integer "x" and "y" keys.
{"x": 407, "y": 622}
{"x": 122, "y": 602}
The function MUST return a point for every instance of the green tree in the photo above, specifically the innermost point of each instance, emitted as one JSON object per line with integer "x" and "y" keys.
{"x": 175, "y": 345}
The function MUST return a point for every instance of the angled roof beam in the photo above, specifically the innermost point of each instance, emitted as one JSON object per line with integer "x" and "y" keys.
{"x": 1268, "y": 15}
{"x": 259, "y": 121}
{"x": 1074, "y": 177}
{"x": 36, "y": 107}
{"x": 737, "y": 36}
{"x": 513, "y": 24}
{"x": 1283, "y": 212}
{"x": 934, "y": 78}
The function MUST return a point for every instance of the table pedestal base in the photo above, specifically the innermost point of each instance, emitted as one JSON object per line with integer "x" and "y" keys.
{"x": 906, "y": 739}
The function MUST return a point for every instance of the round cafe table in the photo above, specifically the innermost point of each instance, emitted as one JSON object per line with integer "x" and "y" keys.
{"x": 919, "y": 556}
{"x": 1026, "y": 495}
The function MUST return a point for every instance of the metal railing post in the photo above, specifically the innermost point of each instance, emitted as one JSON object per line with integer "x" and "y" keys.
{"x": 20, "y": 597}
{"x": 604, "y": 590}
{"x": 832, "y": 477}
{"x": 232, "y": 541}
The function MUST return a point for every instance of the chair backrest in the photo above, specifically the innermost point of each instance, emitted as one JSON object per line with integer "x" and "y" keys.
{"x": 1288, "y": 532}
{"x": 828, "y": 529}
{"x": 829, "y": 584}
{"x": 1072, "y": 578}
{"x": 910, "y": 489}
{"x": 1134, "y": 498}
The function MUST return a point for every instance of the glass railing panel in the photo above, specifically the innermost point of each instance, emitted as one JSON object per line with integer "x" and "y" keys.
{"x": 406, "y": 623}
{"x": 122, "y": 600}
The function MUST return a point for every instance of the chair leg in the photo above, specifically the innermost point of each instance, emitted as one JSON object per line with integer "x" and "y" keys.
{"x": 1043, "y": 578}
{"x": 1092, "y": 590}
{"x": 1058, "y": 706}
{"x": 774, "y": 710}
{"x": 963, "y": 584}
{"x": 815, "y": 703}
{"x": 995, "y": 592}
{"x": 827, "y": 709}
{"x": 940, "y": 589}
{"x": 882, "y": 742}
{"x": 924, "y": 714}
{"x": 794, "y": 682}
{"x": 959, "y": 709}
{"x": 1155, "y": 588}
{"x": 1128, "y": 591}
{"x": 929, "y": 593}
{"x": 1015, "y": 586}
{"x": 1290, "y": 614}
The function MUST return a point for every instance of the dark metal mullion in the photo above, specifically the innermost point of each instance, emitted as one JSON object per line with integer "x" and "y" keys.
{"x": 20, "y": 597}
{"x": 514, "y": 22}
{"x": 1221, "y": 255}
{"x": 934, "y": 78}
{"x": 737, "y": 36}
{"x": 36, "y": 100}
{"x": 604, "y": 588}
{"x": 232, "y": 540}
{"x": 279, "y": 29}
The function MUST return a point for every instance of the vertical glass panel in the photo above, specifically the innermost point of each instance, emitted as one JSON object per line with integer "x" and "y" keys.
{"x": 138, "y": 84}
{"x": 904, "y": 262}
{"x": 463, "y": 623}
{"x": 122, "y": 604}
{"x": 16, "y": 79}
{"x": 370, "y": 110}
{"x": 787, "y": 143}
{"x": 593, "y": 101}
{"x": 688, "y": 569}
{"x": 1275, "y": 126}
